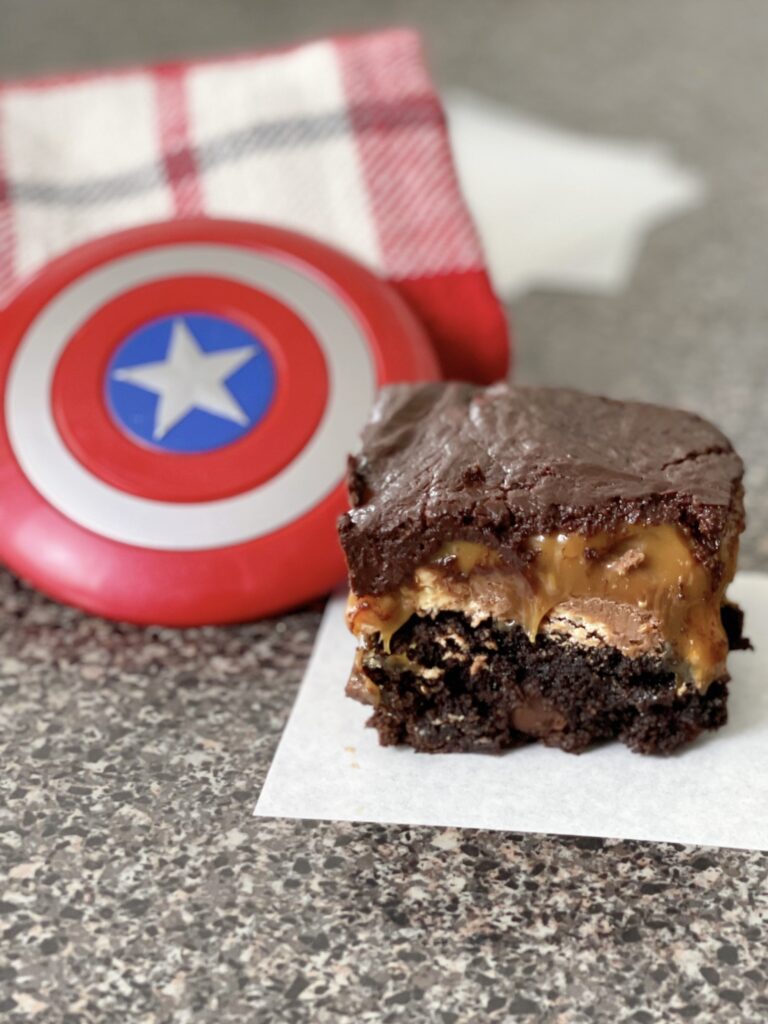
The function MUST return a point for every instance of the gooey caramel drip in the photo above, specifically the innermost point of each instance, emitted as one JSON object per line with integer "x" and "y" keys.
{"x": 649, "y": 569}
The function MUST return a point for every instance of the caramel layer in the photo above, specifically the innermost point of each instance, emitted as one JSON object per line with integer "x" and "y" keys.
{"x": 648, "y": 571}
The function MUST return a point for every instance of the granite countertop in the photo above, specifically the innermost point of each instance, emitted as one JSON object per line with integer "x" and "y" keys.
{"x": 137, "y": 886}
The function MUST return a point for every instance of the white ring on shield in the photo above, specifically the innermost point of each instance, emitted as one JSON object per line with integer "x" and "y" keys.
{"x": 94, "y": 504}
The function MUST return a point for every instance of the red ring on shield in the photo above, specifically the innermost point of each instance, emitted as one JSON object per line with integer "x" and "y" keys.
{"x": 260, "y": 576}
{"x": 93, "y": 437}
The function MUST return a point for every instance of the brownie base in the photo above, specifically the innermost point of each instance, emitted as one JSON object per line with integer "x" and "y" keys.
{"x": 447, "y": 686}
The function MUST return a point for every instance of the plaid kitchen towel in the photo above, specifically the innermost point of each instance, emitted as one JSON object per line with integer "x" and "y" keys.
{"x": 343, "y": 138}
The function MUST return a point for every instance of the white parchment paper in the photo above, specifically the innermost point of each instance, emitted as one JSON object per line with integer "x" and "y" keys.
{"x": 713, "y": 793}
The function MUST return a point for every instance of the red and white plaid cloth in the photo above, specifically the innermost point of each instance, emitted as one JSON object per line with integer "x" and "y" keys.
{"x": 343, "y": 139}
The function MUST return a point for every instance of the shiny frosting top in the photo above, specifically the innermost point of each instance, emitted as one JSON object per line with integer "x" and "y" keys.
{"x": 500, "y": 464}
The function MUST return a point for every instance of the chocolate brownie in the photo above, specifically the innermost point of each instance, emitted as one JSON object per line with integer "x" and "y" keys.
{"x": 530, "y": 563}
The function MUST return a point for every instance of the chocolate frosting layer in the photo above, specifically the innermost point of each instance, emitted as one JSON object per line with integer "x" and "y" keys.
{"x": 496, "y": 465}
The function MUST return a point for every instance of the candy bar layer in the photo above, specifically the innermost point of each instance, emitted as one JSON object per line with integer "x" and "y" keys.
{"x": 531, "y": 563}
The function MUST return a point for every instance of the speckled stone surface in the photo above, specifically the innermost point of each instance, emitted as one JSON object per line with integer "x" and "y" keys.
{"x": 136, "y": 886}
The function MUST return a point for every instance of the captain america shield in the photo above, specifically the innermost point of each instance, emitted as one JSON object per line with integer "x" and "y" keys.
{"x": 178, "y": 402}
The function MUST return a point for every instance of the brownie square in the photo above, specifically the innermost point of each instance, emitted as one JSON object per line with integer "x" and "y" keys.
{"x": 531, "y": 563}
